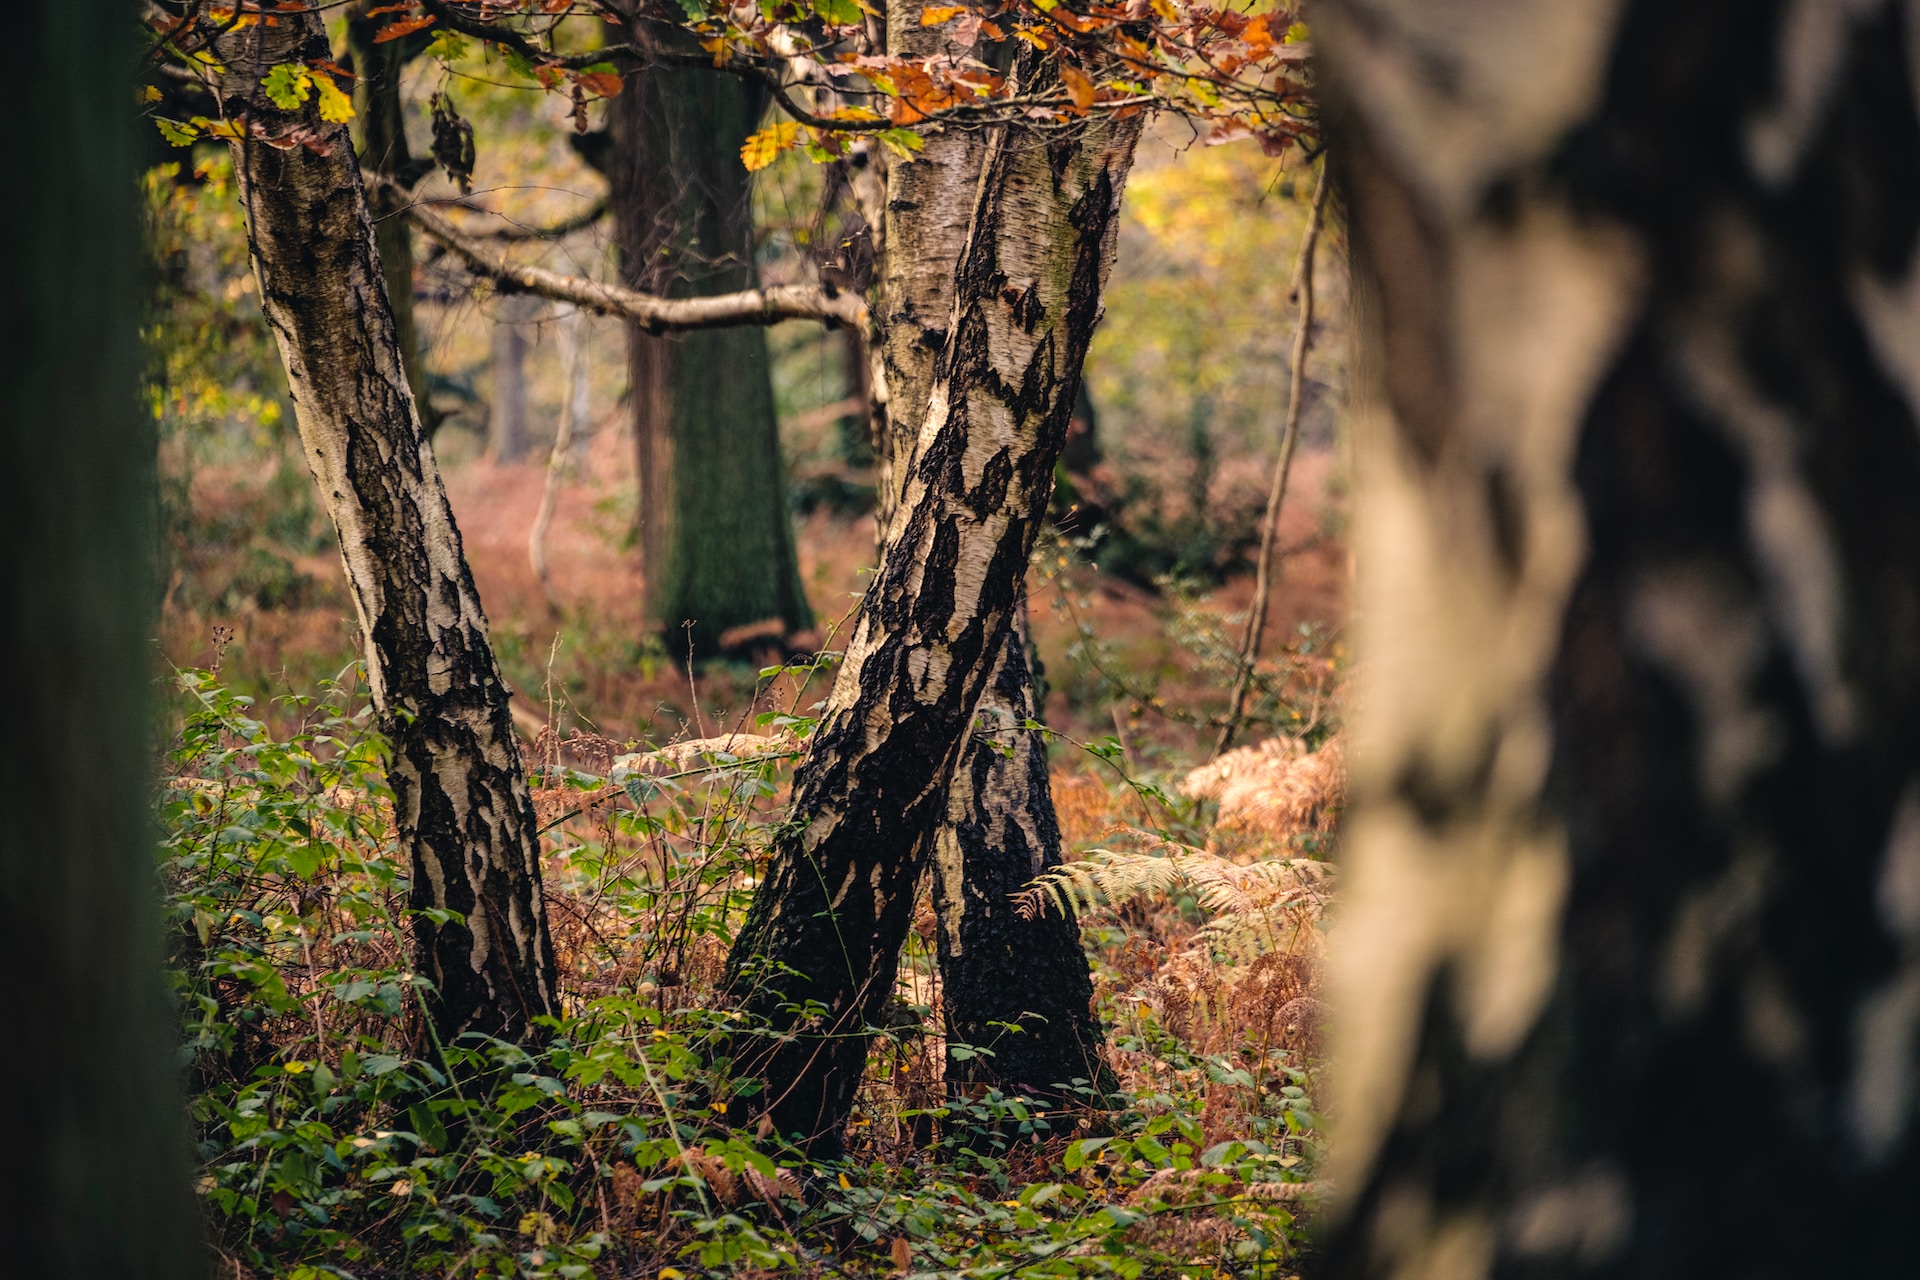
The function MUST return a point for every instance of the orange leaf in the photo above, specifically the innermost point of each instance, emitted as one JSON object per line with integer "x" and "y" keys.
{"x": 1079, "y": 88}
{"x": 402, "y": 27}
{"x": 902, "y": 1253}
{"x": 937, "y": 14}
{"x": 604, "y": 83}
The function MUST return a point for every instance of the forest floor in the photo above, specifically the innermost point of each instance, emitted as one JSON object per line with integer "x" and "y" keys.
{"x": 593, "y": 665}
{"x": 332, "y": 1142}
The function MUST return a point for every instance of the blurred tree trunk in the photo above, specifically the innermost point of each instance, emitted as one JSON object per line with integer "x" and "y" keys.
{"x": 95, "y": 1118}
{"x": 460, "y": 794}
{"x": 507, "y": 432}
{"x": 716, "y": 536}
{"x": 999, "y": 830}
{"x": 380, "y": 128}
{"x": 828, "y": 920}
{"x": 1630, "y": 942}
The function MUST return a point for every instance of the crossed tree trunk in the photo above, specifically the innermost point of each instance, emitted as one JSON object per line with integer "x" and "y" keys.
{"x": 817, "y": 954}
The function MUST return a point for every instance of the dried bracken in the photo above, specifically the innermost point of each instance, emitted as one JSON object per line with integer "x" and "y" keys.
{"x": 1276, "y": 789}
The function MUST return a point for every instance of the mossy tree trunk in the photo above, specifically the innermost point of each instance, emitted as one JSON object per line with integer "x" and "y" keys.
{"x": 96, "y": 1125}
{"x": 835, "y": 904}
{"x": 461, "y": 803}
{"x": 716, "y": 534}
{"x": 1629, "y": 950}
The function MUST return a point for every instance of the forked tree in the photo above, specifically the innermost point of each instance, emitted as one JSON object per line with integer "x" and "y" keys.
{"x": 1628, "y": 966}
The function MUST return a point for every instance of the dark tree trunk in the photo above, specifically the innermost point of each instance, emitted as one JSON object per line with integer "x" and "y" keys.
{"x": 834, "y": 906}
{"x": 460, "y": 795}
{"x": 1018, "y": 988}
{"x": 1629, "y": 958}
{"x": 716, "y": 536}
{"x": 95, "y": 1118}
{"x": 380, "y": 129}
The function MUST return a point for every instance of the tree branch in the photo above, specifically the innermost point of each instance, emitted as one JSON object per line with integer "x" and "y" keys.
{"x": 749, "y": 306}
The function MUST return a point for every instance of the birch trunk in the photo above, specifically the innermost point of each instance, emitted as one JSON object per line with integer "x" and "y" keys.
{"x": 1000, "y": 829}
{"x": 1630, "y": 943}
{"x": 834, "y": 906}
{"x": 381, "y": 128}
{"x": 461, "y": 802}
{"x": 95, "y": 1119}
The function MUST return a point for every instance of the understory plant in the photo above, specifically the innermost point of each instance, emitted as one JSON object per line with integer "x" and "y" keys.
{"x": 338, "y": 1137}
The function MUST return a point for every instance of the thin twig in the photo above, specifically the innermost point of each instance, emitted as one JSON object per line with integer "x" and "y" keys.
{"x": 1289, "y": 437}
{"x": 557, "y": 460}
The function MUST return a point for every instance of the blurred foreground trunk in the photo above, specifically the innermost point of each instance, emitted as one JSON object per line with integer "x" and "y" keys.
{"x": 95, "y": 1121}
{"x": 1628, "y": 966}
{"x": 827, "y": 922}
{"x": 997, "y": 970}
{"x": 716, "y": 535}
{"x": 460, "y": 794}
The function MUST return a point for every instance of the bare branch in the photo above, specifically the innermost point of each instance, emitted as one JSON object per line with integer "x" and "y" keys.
{"x": 749, "y": 306}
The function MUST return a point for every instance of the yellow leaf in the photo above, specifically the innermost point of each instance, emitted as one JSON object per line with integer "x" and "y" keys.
{"x": 844, "y": 1184}
{"x": 672, "y": 1273}
{"x": 937, "y": 14}
{"x": 149, "y": 94}
{"x": 1165, "y": 10}
{"x": 335, "y": 106}
{"x": 760, "y": 149}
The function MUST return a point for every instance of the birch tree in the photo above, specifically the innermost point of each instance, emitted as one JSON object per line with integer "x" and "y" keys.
{"x": 461, "y": 803}
{"x": 817, "y": 953}
{"x": 1630, "y": 945}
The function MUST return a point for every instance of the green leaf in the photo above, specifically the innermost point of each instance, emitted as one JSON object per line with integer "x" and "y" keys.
{"x": 902, "y": 142}
{"x": 179, "y": 135}
{"x": 288, "y": 84}
{"x": 841, "y": 13}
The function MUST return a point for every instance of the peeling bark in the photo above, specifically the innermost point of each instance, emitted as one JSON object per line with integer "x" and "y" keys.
{"x": 1018, "y": 988}
{"x": 999, "y": 829}
{"x": 1630, "y": 943}
{"x": 381, "y": 133}
{"x": 833, "y": 908}
{"x": 461, "y": 802}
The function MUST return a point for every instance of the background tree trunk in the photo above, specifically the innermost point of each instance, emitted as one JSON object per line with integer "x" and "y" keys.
{"x": 460, "y": 794}
{"x": 508, "y": 435}
{"x": 380, "y": 127}
{"x": 95, "y": 1117}
{"x": 716, "y": 535}
{"x": 1630, "y": 944}
{"x": 835, "y": 902}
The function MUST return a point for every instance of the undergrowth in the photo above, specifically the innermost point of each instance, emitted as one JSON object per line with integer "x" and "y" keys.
{"x": 337, "y": 1137}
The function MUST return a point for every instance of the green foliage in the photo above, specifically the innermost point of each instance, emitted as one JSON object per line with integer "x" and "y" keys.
{"x": 337, "y": 1138}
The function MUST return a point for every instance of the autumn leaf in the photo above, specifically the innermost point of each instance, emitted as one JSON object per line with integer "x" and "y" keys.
{"x": 841, "y": 13}
{"x": 938, "y": 14}
{"x": 402, "y": 27}
{"x": 179, "y": 135}
{"x": 335, "y": 106}
{"x": 1078, "y": 87}
{"x": 605, "y": 83}
{"x": 761, "y": 149}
